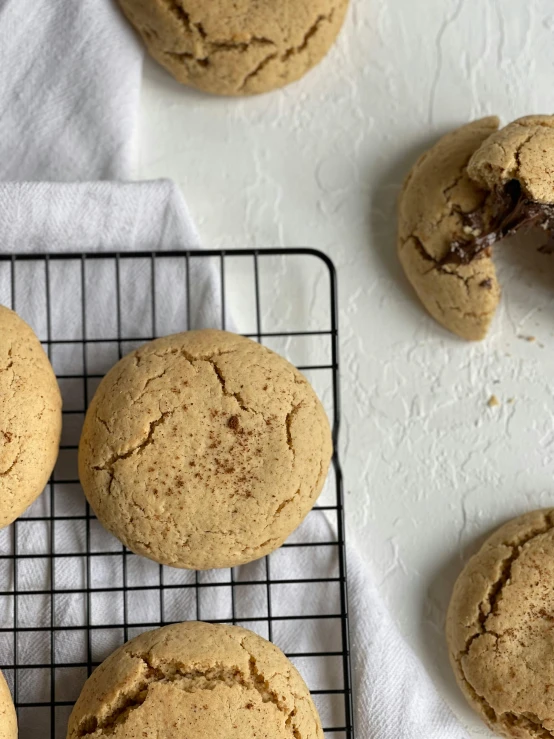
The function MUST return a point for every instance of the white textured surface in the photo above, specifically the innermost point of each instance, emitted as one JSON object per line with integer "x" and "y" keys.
{"x": 430, "y": 468}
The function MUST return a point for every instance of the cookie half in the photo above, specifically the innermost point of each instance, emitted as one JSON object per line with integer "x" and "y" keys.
{"x": 475, "y": 187}
{"x": 237, "y": 48}
{"x": 199, "y": 681}
{"x": 499, "y": 628}
{"x": 30, "y": 417}
{"x": 204, "y": 449}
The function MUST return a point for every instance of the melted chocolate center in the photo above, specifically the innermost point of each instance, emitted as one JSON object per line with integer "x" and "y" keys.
{"x": 511, "y": 211}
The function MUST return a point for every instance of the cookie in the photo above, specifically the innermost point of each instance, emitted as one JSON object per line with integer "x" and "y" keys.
{"x": 30, "y": 417}
{"x": 237, "y": 48}
{"x": 8, "y": 719}
{"x": 499, "y": 628}
{"x": 199, "y": 681}
{"x": 203, "y": 449}
{"x": 475, "y": 187}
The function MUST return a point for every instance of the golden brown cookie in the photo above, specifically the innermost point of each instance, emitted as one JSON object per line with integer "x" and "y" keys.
{"x": 476, "y": 186}
{"x": 237, "y": 47}
{"x": 8, "y": 719}
{"x": 500, "y": 628}
{"x": 199, "y": 681}
{"x": 204, "y": 449}
{"x": 30, "y": 417}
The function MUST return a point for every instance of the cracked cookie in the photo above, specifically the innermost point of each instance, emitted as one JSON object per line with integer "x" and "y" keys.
{"x": 237, "y": 48}
{"x": 199, "y": 681}
{"x": 8, "y": 719}
{"x": 476, "y": 186}
{"x": 204, "y": 449}
{"x": 499, "y": 628}
{"x": 30, "y": 417}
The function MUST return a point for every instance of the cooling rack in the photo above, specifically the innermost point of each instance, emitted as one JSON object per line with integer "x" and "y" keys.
{"x": 69, "y": 592}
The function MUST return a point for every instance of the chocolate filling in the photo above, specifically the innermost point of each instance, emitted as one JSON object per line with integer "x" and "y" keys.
{"x": 512, "y": 210}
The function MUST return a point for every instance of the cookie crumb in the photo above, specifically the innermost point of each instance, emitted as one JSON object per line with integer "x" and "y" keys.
{"x": 493, "y": 401}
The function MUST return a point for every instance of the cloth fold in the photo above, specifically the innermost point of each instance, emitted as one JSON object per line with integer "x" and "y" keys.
{"x": 394, "y": 696}
{"x": 90, "y": 216}
{"x": 68, "y": 110}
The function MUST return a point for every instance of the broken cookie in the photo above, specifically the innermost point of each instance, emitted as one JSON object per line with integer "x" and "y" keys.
{"x": 476, "y": 186}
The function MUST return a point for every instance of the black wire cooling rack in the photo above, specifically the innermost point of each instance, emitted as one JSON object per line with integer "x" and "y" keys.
{"x": 69, "y": 592}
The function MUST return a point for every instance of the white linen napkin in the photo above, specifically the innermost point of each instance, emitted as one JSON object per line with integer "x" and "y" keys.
{"x": 70, "y": 74}
{"x": 67, "y": 112}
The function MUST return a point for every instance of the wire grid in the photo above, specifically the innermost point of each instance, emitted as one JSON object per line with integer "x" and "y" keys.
{"x": 47, "y": 652}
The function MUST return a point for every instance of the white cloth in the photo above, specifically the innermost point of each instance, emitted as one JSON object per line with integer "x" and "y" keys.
{"x": 395, "y": 699}
{"x": 71, "y": 73}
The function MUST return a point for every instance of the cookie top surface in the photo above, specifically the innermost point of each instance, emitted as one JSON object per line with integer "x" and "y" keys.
{"x": 200, "y": 680}
{"x": 231, "y": 47}
{"x": 436, "y": 210}
{"x": 30, "y": 417}
{"x": 499, "y": 628}
{"x": 522, "y": 151}
{"x": 204, "y": 449}
{"x": 8, "y": 718}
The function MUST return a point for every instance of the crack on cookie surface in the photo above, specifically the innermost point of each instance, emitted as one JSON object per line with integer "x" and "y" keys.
{"x": 288, "y": 428}
{"x": 256, "y": 71}
{"x": 310, "y": 33}
{"x": 446, "y": 269}
{"x": 236, "y": 395}
{"x": 447, "y": 190}
{"x": 109, "y": 464}
{"x": 179, "y": 12}
{"x": 9, "y": 365}
{"x": 211, "y": 48}
{"x": 215, "y": 47}
{"x": 12, "y": 465}
{"x": 517, "y": 153}
{"x": 286, "y": 503}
